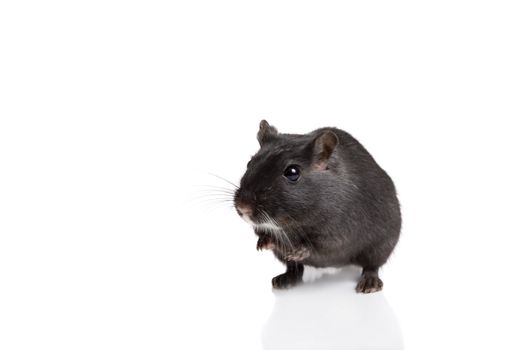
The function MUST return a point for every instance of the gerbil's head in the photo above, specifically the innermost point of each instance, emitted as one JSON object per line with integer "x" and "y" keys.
{"x": 286, "y": 180}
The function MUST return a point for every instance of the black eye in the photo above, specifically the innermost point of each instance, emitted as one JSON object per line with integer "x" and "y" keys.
{"x": 292, "y": 173}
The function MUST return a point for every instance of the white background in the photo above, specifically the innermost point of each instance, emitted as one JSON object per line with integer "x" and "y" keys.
{"x": 112, "y": 114}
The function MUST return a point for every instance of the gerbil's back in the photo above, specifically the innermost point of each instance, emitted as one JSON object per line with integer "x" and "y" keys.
{"x": 372, "y": 190}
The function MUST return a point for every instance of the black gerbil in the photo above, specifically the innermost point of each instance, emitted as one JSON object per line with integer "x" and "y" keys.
{"x": 319, "y": 199}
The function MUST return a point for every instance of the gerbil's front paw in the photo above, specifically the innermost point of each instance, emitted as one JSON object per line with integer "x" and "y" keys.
{"x": 285, "y": 280}
{"x": 297, "y": 255}
{"x": 369, "y": 284}
{"x": 265, "y": 242}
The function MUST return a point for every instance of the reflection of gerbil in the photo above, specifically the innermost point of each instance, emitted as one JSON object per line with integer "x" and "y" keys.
{"x": 321, "y": 314}
{"x": 319, "y": 199}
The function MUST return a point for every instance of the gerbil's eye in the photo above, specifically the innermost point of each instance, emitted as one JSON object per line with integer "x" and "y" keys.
{"x": 292, "y": 173}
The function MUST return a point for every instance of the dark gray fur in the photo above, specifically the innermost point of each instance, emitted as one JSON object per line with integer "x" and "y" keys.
{"x": 343, "y": 210}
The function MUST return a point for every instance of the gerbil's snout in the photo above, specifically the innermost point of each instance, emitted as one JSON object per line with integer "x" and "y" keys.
{"x": 244, "y": 209}
{"x": 244, "y": 206}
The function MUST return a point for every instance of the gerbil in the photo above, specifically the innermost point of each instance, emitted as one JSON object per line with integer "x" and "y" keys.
{"x": 319, "y": 199}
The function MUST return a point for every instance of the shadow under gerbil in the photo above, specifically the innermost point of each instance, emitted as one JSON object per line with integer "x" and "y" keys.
{"x": 326, "y": 313}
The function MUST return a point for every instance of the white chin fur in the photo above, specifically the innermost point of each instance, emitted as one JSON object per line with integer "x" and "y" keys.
{"x": 265, "y": 225}
{"x": 268, "y": 226}
{"x": 248, "y": 220}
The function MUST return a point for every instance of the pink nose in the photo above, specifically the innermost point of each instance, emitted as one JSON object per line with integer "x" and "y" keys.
{"x": 244, "y": 209}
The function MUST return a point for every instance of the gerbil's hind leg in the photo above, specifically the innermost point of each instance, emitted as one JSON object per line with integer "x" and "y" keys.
{"x": 369, "y": 281}
{"x": 292, "y": 276}
{"x": 371, "y": 260}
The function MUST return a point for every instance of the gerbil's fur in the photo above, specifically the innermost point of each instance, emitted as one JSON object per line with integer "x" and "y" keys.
{"x": 342, "y": 209}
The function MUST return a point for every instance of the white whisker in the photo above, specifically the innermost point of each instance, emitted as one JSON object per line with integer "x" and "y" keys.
{"x": 271, "y": 225}
{"x": 223, "y": 179}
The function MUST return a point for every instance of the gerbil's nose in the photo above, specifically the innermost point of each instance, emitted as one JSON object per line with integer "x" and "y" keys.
{"x": 244, "y": 209}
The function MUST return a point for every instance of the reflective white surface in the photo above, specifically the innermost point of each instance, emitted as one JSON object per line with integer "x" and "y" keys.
{"x": 110, "y": 109}
{"x": 326, "y": 313}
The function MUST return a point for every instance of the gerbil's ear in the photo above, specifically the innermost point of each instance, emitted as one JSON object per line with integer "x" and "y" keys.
{"x": 324, "y": 145}
{"x": 266, "y": 131}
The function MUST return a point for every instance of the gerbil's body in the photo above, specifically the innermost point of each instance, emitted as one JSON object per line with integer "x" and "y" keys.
{"x": 320, "y": 199}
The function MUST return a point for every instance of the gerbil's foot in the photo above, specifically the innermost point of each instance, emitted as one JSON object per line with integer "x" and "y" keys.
{"x": 292, "y": 276}
{"x": 265, "y": 242}
{"x": 285, "y": 280}
{"x": 369, "y": 284}
{"x": 297, "y": 255}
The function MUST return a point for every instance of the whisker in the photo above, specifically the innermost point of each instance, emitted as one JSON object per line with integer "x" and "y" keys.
{"x": 204, "y": 200}
{"x": 208, "y": 193}
{"x": 215, "y": 188}
{"x": 223, "y": 179}
{"x": 281, "y": 233}
{"x": 210, "y": 198}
